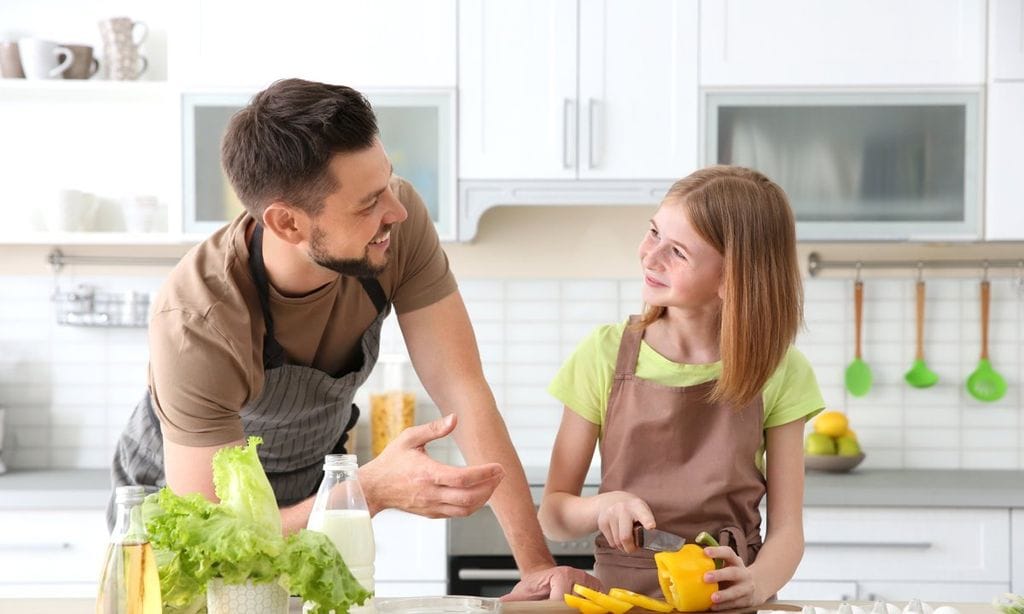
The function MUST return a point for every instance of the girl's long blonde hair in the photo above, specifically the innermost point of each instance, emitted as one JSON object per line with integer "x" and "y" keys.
{"x": 747, "y": 218}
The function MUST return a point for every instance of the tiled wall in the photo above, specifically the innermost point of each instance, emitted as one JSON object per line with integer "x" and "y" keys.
{"x": 67, "y": 390}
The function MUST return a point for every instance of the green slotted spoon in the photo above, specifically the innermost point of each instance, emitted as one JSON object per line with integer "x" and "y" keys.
{"x": 985, "y": 384}
{"x": 920, "y": 376}
{"x": 858, "y": 373}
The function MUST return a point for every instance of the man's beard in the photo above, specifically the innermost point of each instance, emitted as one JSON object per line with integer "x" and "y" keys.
{"x": 353, "y": 267}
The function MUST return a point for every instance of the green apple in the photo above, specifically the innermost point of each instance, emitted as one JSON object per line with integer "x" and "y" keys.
{"x": 819, "y": 444}
{"x": 847, "y": 446}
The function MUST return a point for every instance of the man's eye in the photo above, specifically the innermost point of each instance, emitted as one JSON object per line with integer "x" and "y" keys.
{"x": 654, "y": 232}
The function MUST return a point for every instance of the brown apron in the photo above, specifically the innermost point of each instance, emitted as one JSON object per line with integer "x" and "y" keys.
{"x": 692, "y": 461}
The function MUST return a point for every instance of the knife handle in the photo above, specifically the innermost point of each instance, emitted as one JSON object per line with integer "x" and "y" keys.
{"x": 638, "y": 535}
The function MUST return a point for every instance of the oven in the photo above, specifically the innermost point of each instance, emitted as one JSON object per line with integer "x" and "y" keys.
{"x": 480, "y": 560}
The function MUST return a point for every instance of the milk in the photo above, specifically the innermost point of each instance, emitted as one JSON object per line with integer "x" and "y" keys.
{"x": 351, "y": 532}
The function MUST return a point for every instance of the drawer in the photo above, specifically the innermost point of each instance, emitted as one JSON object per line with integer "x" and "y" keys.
{"x": 410, "y": 547}
{"x": 926, "y": 544}
{"x": 52, "y": 547}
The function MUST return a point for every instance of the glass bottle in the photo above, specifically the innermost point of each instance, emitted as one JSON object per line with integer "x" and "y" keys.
{"x": 129, "y": 583}
{"x": 392, "y": 403}
{"x": 340, "y": 512}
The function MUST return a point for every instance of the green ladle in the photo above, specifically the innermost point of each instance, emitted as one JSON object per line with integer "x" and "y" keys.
{"x": 858, "y": 373}
{"x": 920, "y": 376}
{"x": 985, "y": 384}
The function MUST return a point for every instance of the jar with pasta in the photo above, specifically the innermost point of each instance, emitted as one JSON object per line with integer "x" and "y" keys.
{"x": 392, "y": 403}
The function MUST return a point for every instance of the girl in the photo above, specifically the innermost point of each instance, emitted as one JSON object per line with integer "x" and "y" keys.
{"x": 686, "y": 399}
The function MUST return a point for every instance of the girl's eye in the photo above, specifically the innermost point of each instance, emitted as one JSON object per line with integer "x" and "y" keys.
{"x": 679, "y": 254}
{"x": 654, "y": 232}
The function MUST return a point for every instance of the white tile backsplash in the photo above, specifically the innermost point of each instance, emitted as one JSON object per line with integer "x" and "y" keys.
{"x": 68, "y": 390}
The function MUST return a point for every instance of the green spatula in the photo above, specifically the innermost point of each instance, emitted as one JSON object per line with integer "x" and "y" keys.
{"x": 920, "y": 376}
{"x": 985, "y": 384}
{"x": 858, "y": 373}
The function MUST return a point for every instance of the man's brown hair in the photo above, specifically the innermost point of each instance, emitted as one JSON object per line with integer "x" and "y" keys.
{"x": 746, "y": 217}
{"x": 280, "y": 145}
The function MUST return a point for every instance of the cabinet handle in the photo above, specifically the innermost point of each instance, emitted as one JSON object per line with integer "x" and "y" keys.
{"x": 36, "y": 547}
{"x": 569, "y": 133}
{"x": 593, "y": 115}
{"x": 889, "y": 545}
{"x": 489, "y": 574}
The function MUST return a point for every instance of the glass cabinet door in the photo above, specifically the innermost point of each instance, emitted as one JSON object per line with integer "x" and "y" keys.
{"x": 417, "y": 129}
{"x": 877, "y": 165}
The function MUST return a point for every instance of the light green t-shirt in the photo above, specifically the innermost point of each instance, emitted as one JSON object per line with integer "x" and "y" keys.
{"x": 584, "y": 382}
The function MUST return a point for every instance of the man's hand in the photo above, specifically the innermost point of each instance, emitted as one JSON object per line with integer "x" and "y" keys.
{"x": 551, "y": 583}
{"x": 405, "y": 478}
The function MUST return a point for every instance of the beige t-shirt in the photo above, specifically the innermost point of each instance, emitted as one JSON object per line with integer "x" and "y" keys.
{"x": 206, "y": 333}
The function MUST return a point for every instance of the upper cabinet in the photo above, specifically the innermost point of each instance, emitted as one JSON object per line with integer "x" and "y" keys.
{"x": 564, "y": 93}
{"x": 842, "y": 42}
{"x": 1006, "y": 40}
{"x": 384, "y": 43}
{"x": 1004, "y": 185}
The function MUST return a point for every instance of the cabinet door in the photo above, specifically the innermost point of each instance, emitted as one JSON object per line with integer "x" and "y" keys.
{"x": 638, "y": 89}
{"x": 410, "y": 548}
{"x": 842, "y": 42}
{"x": 1017, "y": 548}
{"x": 1004, "y": 184}
{"x": 806, "y": 590}
{"x": 517, "y": 89}
{"x": 1006, "y": 41}
{"x": 53, "y": 553}
{"x": 932, "y": 592}
{"x": 385, "y": 43}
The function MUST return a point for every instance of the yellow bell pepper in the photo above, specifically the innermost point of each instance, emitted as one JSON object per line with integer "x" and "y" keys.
{"x": 585, "y": 606}
{"x": 608, "y": 602}
{"x": 642, "y": 601}
{"x": 681, "y": 575}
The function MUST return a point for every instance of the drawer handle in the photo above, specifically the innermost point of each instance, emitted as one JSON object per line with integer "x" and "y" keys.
{"x": 889, "y": 545}
{"x": 36, "y": 547}
{"x": 489, "y": 574}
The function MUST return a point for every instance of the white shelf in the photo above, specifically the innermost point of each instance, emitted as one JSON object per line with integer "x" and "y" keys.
{"x": 90, "y": 86}
{"x": 100, "y": 238}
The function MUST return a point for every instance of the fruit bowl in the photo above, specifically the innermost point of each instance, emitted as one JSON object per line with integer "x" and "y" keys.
{"x": 832, "y": 463}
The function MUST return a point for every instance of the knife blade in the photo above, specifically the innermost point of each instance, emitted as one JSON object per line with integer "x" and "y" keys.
{"x": 656, "y": 539}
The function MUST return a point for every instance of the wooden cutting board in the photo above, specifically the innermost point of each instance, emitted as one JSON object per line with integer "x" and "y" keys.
{"x": 558, "y": 607}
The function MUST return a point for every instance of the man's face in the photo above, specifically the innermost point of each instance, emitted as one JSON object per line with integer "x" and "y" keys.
{"x": 352, "y": 233}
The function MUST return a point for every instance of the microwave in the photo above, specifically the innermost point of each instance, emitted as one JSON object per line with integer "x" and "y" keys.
{"x": 863, "y": 165}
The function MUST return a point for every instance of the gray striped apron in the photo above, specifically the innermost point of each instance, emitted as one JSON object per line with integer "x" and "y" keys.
{"x": 302, "y": 414}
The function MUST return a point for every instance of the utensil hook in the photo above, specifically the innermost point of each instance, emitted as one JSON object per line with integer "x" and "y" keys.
{"x": 984, "y": 273}
{"x": 857, "y": 277}
{"x": 920, "y": 270}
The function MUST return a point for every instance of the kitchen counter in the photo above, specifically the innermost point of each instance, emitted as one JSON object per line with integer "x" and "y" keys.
{"x": 85, "y": 488}
{"x": 86, "y": 606}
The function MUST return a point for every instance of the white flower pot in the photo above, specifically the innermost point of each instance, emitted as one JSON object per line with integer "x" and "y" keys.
{"x": 269, "y": 598}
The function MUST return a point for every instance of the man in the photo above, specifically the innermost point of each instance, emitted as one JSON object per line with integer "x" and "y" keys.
{"x": 269, "y": 327}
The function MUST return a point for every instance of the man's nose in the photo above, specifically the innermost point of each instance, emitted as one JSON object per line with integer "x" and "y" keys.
{"x": 396, "y": 210}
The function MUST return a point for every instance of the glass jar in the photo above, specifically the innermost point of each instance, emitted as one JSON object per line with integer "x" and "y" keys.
{"x": 392, "y": 404}
{"x": 129, "y": 583}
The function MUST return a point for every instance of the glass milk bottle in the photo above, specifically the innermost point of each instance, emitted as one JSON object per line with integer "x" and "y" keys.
{"x": 129, "y": 584}
{"x": 340, "y": 512}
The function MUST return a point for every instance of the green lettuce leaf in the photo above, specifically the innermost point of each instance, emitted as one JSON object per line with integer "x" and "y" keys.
{"x": 240, "y": 539}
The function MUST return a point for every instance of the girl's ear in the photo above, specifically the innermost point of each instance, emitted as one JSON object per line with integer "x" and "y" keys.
{"x": 288, "y": 224}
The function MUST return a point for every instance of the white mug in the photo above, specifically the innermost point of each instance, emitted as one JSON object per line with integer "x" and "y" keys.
{"x": 41, "y": 59}
{"x": 71, "y": 211}
{"x": 141, "y": 213}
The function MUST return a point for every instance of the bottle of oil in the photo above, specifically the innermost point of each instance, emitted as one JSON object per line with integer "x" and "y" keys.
{"x": 129, "y": 584}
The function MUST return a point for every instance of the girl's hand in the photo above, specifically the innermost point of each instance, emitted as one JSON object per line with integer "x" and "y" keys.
{"x": 618, "y": 510}
{"x": 740, "y": 590}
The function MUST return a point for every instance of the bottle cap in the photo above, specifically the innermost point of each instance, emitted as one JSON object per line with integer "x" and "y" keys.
{"x": 340, "y": 461}
{"x": 129, "y": 494}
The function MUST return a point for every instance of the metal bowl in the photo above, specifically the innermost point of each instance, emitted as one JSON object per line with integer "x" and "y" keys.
{"x": 831, "y": 463}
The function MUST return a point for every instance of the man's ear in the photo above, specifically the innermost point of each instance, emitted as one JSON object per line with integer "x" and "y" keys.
{"x": 288, "y": 223}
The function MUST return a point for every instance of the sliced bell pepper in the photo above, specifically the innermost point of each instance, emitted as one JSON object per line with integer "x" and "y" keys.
{"x": 583, "y": 605}
{"x": 613, "y": 605}
{"x": 641, "y": 601}
{"x": 681, "y": 575}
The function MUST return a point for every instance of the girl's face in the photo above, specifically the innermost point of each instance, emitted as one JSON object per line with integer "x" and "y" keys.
{"x": 680, "y": 268}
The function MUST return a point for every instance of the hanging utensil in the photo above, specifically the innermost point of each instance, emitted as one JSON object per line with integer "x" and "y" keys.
{"x": 858, "y": 373}
{"x": 985, "y": 383}
{"x": 919, "y": 375}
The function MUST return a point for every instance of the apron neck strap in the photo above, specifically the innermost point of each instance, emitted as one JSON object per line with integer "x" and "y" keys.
{"x": 629, "y": 349}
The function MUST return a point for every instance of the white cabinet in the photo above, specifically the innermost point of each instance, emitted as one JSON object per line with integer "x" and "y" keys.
{"x": 565, "y": 89}
{"x": 234, "y": 43}
{"x": 842, "y": 42}
{"x": 1006, "y": 40}
{"x": 574, "y": 102}
{"x": 897, "y": 554}
{"x": 52, "y": 553}
{"x": 1017, "y": 547}
{"x": 1004, "y": 183}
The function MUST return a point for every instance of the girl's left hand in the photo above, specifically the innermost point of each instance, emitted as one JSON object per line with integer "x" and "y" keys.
{"x": 740, "y": 589}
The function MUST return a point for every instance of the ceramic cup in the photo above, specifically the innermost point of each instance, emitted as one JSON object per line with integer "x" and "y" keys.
{"x": 121, "y": 39}
{"x": 71, "y": 211}
{"x": 41, "y": 59}
{"x": 10, "y": 61}
{"x": 83, "y": 65}
{"x": 141, "y": 213}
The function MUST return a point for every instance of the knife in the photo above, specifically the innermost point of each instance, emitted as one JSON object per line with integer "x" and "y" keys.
{"x": 657, "y": 540}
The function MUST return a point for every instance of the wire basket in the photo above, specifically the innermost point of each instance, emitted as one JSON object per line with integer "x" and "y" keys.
{"x": 86, "y": 306}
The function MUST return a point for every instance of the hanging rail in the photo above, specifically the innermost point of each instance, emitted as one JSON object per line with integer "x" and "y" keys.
{"x": 816, "y": 264}
{"x": 59, "y": 259}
